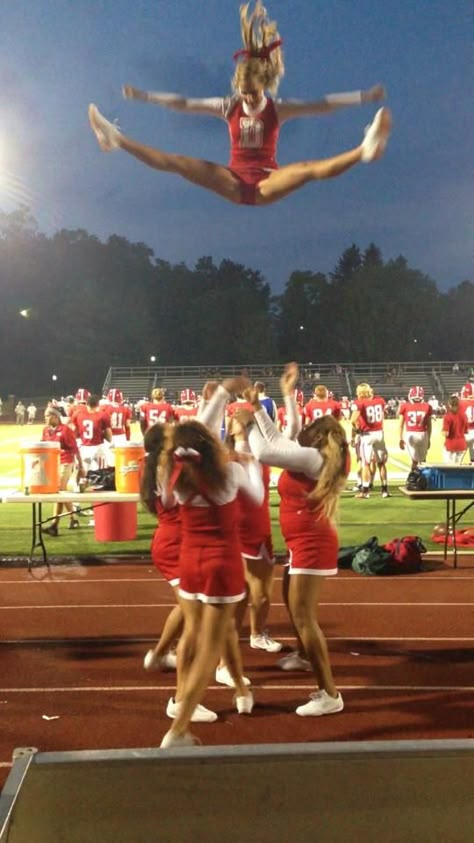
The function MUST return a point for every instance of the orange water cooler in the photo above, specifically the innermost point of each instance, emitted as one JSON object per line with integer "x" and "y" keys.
{"x": 40, "y": 468}
{"x": 117, "y": 522}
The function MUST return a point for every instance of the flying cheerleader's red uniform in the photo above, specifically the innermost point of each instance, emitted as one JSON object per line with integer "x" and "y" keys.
{"x": 253, "y": 139}
{"x": 166, "y": 542}
{"x": 309, "y": 535}
{"x": 255, "y": 529}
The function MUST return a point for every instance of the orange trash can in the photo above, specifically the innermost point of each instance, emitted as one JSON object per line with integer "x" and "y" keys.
{"x": 40, "y": 467}
{"x": 115, "y": 522}
{"x": 128, "y": 466}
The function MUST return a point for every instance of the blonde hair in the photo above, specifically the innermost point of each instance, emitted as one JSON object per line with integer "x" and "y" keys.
{"x": 157, "y": 394}
{"x": 329, "y": 437}
{"x": 364, "y": 390}
{"x": 262, "y": 58}
{"x": 321, "y": 392}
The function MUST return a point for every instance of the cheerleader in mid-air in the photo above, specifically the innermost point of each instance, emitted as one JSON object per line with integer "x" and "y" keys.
{"x": 253, "y": 176}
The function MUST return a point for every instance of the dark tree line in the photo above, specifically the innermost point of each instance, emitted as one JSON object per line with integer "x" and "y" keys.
{"x": 74, "y": 305}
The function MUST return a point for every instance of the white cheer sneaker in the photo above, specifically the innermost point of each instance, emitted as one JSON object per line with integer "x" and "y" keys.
{"x": 377, "y": 135}
{"x": 154, "y": 662}
{"x": 264, "y": 642}
{"x": 223, "y": 677}
{"x": 199, "y": 715}
{"x": 171, "y": 741}
{"x": 320, "y": 703}
{"x": 107, "y": 133}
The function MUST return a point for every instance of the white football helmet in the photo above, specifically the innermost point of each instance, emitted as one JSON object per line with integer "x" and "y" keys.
{"x": 416, "y": 393}
{"x": 188, "y": 396}
{"x": 115, "y": 396}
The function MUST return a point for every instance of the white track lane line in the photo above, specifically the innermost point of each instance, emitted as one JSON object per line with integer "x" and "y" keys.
{"x": 103, "y": 606}
{"x": 99, "y": 689}
{"x": 146, "y": 640}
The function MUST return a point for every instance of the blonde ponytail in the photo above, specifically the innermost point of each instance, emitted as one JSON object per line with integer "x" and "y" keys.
{"x": 261, "y": 58}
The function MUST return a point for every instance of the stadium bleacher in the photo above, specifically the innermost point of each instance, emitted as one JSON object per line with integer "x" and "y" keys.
{"x": 389, "y": 380}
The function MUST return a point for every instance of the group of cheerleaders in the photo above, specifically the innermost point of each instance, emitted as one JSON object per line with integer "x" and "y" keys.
{"x": 211, "y": 499}
{"x": 190, "y": 481}
{"x": 253, "y": 176}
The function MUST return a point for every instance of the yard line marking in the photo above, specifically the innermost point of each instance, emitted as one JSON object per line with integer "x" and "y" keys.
{"x": 74, "y": 689}
{"x": 40, "y": 608}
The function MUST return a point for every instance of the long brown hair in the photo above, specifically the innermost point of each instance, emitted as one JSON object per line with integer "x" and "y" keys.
{"x": 328, "y": 436}
{"x": 259, "y": 63}
{"x": 154, "y": 443}
{"x": 206, "y": 472}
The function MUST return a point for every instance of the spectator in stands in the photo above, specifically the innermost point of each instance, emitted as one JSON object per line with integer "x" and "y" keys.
{"x": 20, "y": 412}
{"x": 455, "y": 428}
{"x": 57, "y": 431}
{"x": 455, "y": 368}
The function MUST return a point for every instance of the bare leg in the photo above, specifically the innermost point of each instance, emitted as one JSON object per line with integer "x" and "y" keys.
{"x": 259, "y": 576}
{"x": 206, "y": 174}
{"x": 304, "y": 595}
{"x": 285, "y": 593}
{"x": 213, "y": 630}
{"x": 233, "y": 659}
{"x": 290, "y": 178}
{"x": 186, "y": 650}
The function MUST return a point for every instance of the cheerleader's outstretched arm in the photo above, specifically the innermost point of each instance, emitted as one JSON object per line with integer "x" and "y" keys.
{"x": 271, "y": 447}
{"x": 289, "y": 109}
{"x": 211, "y": 106}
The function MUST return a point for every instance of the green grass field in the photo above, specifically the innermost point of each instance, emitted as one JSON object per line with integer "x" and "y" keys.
{"x": 359, "y": 519}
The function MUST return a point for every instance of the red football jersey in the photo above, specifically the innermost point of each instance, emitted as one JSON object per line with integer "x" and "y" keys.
{"x": 415, "y": 415}
{"x": 184, "y": 413}
{"x": 372, "y": 413}
{"x": 253, "y": 138}
{"x": 467, "y": 407}
{"x": 157, "y": 411}
{"x": 282, "y": 417}
{"x": 315, "y": 409}
{"x": 91, "y": 427}
{"x": 456, "y": 427}
{"x": 238, "y": 405}
{"x": 120, "y": 416}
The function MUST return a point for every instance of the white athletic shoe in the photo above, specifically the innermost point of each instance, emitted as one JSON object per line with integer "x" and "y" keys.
{"x": 320, "y": 703}
{"x": 107, "y": 133}
{"x": 293, "y": 661}
{"x": 264, "y": 642}
{"x": 199, "y": 715}
{"x": 154, "y": 662}
{"x": 179, "y": 741}
{"x": 223, "y": 677}
{"x": 377, "y": 135}
{"x": 244, "y": 705}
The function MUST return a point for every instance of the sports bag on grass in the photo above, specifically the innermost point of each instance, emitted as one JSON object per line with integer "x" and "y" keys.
{"x": 406, "y": 554}
{"x": 372, "y": 559}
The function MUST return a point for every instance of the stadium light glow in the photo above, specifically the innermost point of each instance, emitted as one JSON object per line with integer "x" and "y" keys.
{"x": 54, "y": 377}
{"x": 26, "y": 312}
{"x": 152, "y": 359}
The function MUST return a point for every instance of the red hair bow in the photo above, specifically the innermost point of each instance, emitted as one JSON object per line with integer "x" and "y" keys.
{"x": 263, "y": 53}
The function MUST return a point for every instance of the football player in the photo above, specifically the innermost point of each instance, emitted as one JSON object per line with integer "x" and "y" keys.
{"x": 415, "y": 425}
{"x": 368, "y": 417}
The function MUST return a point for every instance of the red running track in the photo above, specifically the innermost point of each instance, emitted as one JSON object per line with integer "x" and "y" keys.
{"x": 73, "y": 641}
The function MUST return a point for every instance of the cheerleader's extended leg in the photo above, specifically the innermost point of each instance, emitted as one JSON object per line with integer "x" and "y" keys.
{"x": 205, "y": 174}
{"x": 287, "y": 179}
